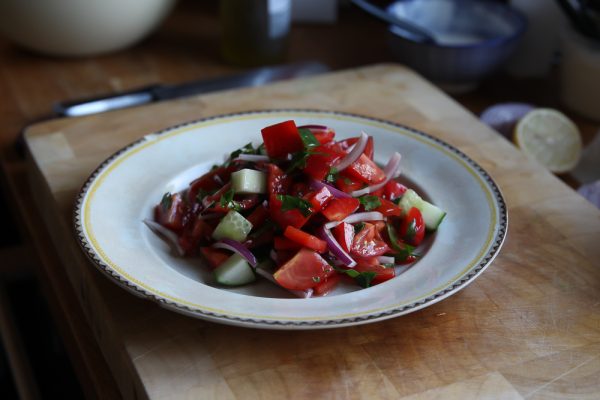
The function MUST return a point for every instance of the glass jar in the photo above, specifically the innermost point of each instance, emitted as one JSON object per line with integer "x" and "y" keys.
{"x": 255, "y": 32}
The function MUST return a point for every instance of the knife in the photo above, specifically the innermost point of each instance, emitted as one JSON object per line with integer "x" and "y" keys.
{"x": 149, "y": 94}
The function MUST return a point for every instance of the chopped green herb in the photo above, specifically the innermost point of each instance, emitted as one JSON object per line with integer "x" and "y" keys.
{"x": 261, "y": 149}
{"x": 397, "y": 201}
{"x": 358, "y": 227}
{"x": 166, "y": 201}
{"x": 403, "y": 250}
{"x": 247, "y": 149}
{"x": 369, "y": 202}
{"x": 316, "y": 279}
{"x": 226, "y": 201}
{"x": 215, "y": 166}
{"x": 411, "y": 230}
{"x": 299, "y": 159}
{"x": 348, "y": 181}
{"x": 202, "y": 193}
{"x": 332, "y": 175}
{"x": 363, "y": 279}
{"x": 293, "y": 202}
{"x": 308, "y": 138}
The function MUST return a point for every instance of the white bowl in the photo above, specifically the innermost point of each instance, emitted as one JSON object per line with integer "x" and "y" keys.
{"x": 80, "y": 28}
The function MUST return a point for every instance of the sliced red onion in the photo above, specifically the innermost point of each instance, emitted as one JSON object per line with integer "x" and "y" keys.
{"x": 335, "y": 248}
{"x": 237, "y": 247}
{"x": 166, "y": 234}
{"x": 353, "y": 155}
{"x": 252, "y": 157}
{"x": 386, "y": 259}
{"x": 337, "y": 193}
{"x": 298, "y": 293}
{"x": 391, "y": 171}
{"x": 332, "y": 224}
{"x": 364, "y": 216}
{"x": 207, "y": 202}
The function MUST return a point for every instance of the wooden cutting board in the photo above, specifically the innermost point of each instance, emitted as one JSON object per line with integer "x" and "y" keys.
{"x": 529, "y": 327}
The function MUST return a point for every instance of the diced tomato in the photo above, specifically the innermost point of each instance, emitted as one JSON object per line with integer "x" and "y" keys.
{"x": 347, "y": 184}
{"x": 321, "y": 133}
{"x": 344, "y": 235}
{"x": 281, "y": 139}
{"x": 281, "y": 243}
{"x": 193, "y": 234}
{"x": 366, "y": 244}
{"x": 327, "y": 285}
{"x": 365, "y": 170}
{"x": 284, "y": 218}
{"x": 393, "y": 190}
{"x": 305, "y": 239}
{"x": 303, "y": 271}
{"x": 277, "y": 181}
{"x": 210, "y": 181}
{"x": 319, "y": 165}
{"x": 412, "y": 228}
{"x": 387, "y": 208}
{"x": 245, "y": 202}
{"x": 371, "y": 264}
{"x": 214, "y": 257}
{"x": 258, "y": 216}
{"x": 170, "y": 212}
{"x": 319, "y": 198}
{"x": 338, "y": 209}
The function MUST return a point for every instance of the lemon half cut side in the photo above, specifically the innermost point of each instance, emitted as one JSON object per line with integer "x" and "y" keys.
{"x": 551, "y": 138}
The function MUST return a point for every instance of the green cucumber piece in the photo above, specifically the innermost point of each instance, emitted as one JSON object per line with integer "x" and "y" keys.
{"x": 233, "y": 226}
{"x": 249, "y": 181}
{"x": 432, "y": 215}
{"x": 235, "y": 271}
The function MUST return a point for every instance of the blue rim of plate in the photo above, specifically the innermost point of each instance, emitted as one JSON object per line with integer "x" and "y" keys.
{"x": 498, "y": 240}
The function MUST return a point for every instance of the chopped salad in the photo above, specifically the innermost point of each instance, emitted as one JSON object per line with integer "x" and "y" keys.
{"x": 303, "y": 210}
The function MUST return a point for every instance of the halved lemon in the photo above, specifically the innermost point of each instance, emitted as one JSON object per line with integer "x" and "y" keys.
{"x": 549, "y": 137}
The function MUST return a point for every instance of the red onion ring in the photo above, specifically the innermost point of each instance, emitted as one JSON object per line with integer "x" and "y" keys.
{"x": 237, "y": 247}
{"x": 354, "y": 154}
{"x": 335, "y": 248}
{"x": 364, "y": 216}
{"x": 392, "y": 170}
{"x": 252, "y": 157}
{"x": 337, "y": 193}
{"x": 166, "y": 234}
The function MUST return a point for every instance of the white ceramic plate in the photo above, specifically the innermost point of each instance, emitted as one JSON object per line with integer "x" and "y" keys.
{"x": 123, "y": 190}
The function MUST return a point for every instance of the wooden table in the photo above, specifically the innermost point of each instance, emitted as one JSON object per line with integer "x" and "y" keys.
{"x": 529, "y": 327}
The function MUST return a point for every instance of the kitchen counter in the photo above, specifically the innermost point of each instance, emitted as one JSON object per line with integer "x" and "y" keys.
{"x": 527, "y": 328}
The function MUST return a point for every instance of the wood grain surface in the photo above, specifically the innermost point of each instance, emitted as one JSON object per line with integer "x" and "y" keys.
{"x": 529, "y": 327}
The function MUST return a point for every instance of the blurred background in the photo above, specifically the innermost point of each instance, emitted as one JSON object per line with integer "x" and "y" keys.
{"x": 502, "y": 60}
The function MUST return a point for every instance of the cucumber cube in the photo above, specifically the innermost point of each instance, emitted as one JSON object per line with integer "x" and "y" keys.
{"x": 234, "y": 271}
{"x": 233, "y": 226}
{"x": 432, "y": 215}
{"x": 249, "y": 181}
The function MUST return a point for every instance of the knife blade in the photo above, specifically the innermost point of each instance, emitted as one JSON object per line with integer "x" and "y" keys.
{"x": 149, "y": 94}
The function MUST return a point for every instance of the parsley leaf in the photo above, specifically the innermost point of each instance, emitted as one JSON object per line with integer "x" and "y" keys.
{"x": 403, "y": 250}
{"x": 247, "y": 149}
{"x": 292, "y": 202}
{"x": 363, "y": 279}
{"x": 397, "y": 200}
{"x": 332, "y": 175}
{"x": 308, "y": 138}
{"x": 299, "y": 159}
{"x": 369, "y": 202}
{"x": 227, "y": 201}
{"x": 166, "y": 201}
